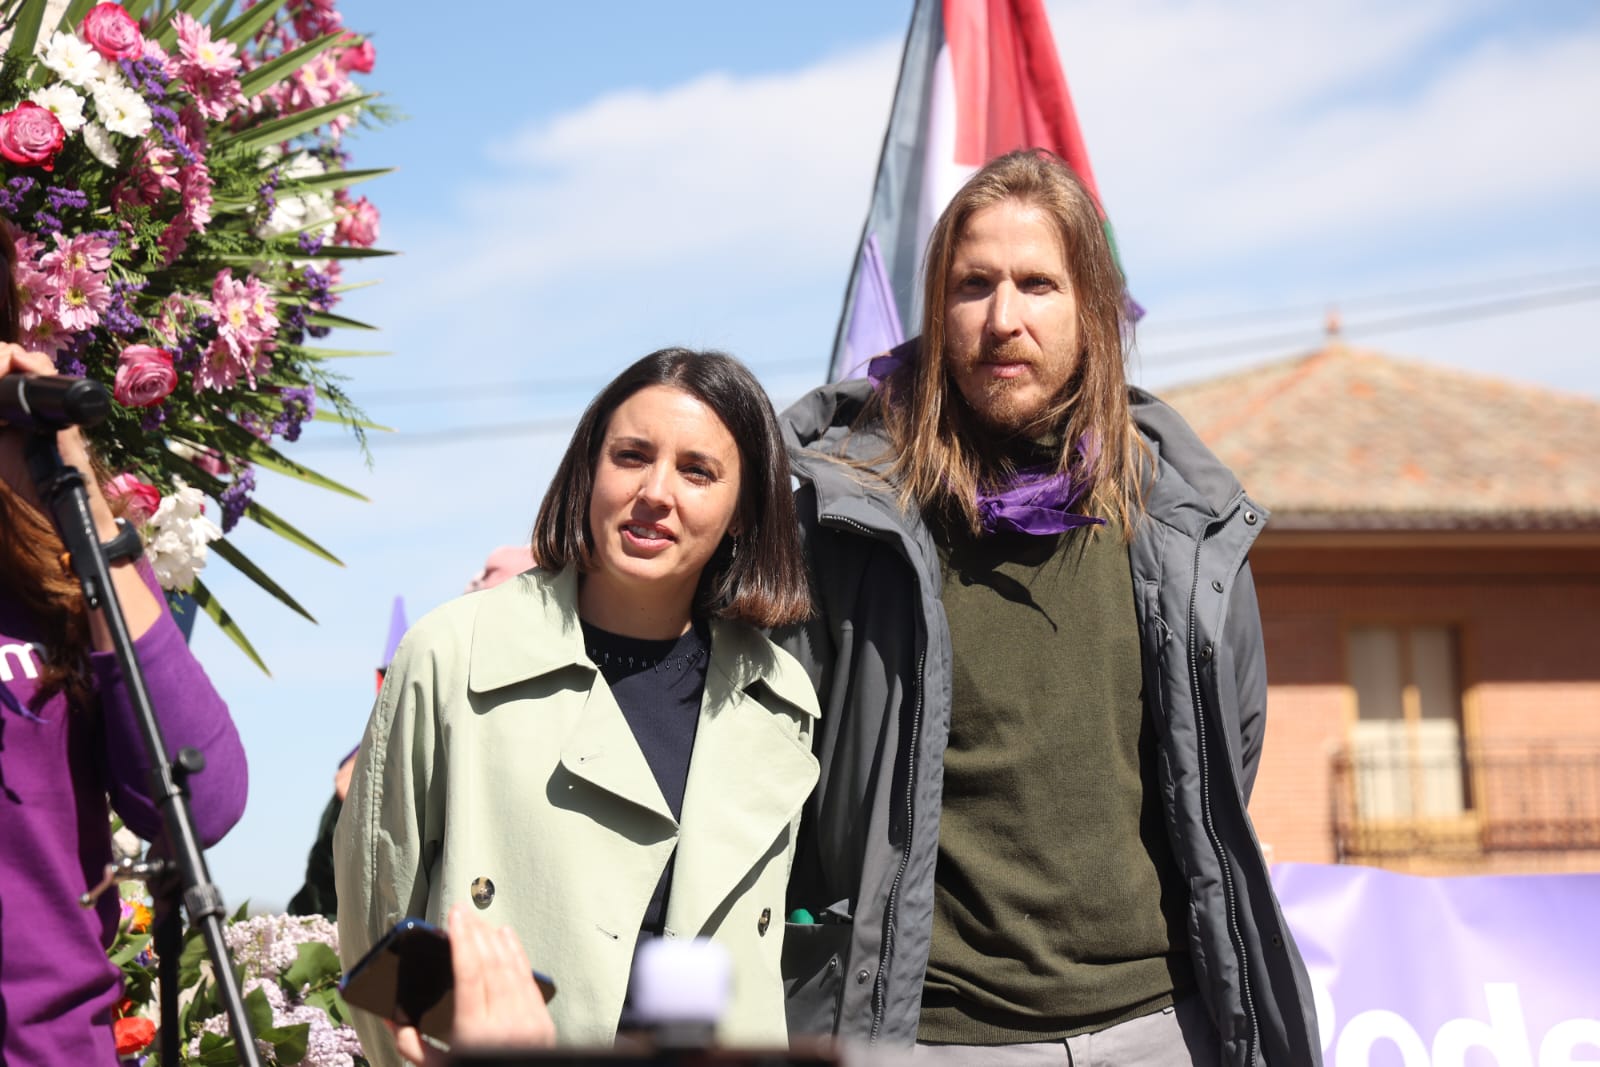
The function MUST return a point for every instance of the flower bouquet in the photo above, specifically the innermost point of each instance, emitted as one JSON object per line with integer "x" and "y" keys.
{"x": 288, "y": 969}
{"x": 178, "y": 195}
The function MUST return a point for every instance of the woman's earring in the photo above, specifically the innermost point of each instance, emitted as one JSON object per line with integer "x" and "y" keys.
{"x": 733, "y": 557}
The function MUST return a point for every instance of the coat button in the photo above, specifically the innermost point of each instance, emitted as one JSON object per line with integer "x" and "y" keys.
{"x": 482, "y": 892}
{"x": 764, "y": 921}
{"x": 862, "y": 976}
{"x": 1216, "y": 584}
{"x": 1205, "y": 653}
{"x": 1250, "y": 517}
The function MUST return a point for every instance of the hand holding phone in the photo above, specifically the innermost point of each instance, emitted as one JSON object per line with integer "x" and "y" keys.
{"x": 473, "y": 987}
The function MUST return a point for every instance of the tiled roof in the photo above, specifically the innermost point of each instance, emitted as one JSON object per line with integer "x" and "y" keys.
{"x": 1349, "y": 439}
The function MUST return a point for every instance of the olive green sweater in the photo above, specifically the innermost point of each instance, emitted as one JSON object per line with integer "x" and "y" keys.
{"x": 1058, "y": 906}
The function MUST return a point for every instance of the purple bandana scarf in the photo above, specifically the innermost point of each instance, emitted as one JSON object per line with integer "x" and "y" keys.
{"x": 1037, "y": 501}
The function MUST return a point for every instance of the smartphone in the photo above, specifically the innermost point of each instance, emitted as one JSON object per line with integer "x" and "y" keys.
{"x": 408, "y": 977}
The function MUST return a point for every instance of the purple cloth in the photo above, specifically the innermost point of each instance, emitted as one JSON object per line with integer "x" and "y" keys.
{"x": 1037, "y": 502}
{"x": 57, "y": 989}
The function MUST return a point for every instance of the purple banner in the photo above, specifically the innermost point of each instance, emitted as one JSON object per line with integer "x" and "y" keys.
{"x": 1449, "y": 972}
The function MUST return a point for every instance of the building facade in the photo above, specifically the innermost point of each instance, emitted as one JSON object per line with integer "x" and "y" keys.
{"x": 1430, "y": 594}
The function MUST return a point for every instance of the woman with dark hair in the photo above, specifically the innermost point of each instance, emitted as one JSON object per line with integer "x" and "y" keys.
{"x": 68, "y": 738}
{"x": 606, "y": 748}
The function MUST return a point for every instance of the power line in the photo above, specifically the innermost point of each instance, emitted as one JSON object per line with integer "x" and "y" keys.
{"x": 1227, "y": 319}
{"x": 1395, "y": 324}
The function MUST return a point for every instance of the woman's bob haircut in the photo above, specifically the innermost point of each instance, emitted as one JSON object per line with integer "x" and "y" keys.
{"x": 764, "y": 582}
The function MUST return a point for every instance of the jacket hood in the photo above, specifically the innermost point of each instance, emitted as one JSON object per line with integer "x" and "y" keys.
{"x": 1191, "y": 488}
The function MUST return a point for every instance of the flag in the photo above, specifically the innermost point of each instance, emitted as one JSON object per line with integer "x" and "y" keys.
{"x": 979, "y": 78}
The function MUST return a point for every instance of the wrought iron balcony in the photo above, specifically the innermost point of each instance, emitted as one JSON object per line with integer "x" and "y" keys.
{"x": 1408, "y": 799}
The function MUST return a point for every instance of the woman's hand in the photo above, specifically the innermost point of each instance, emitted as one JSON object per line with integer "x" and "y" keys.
{"x": 139, "y": 605}
{"x": 14, "y": 359}
{"x": 498, "y": 1005}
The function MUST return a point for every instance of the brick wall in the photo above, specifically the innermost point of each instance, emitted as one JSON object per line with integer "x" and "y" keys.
{"x": 1528, "y": 614}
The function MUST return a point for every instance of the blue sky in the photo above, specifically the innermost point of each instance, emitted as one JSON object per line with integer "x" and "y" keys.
{"x": 581, "y": 184}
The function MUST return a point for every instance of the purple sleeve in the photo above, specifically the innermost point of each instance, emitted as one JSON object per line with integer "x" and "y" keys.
{"x": 192, "y": 715}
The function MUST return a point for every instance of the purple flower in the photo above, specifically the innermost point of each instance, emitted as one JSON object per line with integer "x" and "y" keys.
{"x": 310, "y": 244}
{"x": 12, "y": 193}
{"x": 299, "y": 405}
{"x": 236, "y": 497}
{"x": 118, "y": 317}
{"x": 46, "y": 222}
{"x": 153, "y": 418}
{"x": 60, "y": 198}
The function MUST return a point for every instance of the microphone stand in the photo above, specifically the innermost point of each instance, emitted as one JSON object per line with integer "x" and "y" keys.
{"x": 62, "y": 490}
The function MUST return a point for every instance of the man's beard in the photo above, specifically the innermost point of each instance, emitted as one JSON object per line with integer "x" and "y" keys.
{"x": 1004, "y": 410}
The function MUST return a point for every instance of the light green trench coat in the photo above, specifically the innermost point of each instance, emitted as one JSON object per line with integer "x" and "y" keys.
{"x": 496, "y": 751}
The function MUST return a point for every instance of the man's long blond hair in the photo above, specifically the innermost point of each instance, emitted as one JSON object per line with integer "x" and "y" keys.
{"x": 940, "y": 460}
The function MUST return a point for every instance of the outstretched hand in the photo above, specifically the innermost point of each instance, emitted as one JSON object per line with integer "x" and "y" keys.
{"x": 497, "y": 1003}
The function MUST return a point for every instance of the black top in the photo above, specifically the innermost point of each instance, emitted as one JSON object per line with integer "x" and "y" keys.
{"x": 658, "y": 685}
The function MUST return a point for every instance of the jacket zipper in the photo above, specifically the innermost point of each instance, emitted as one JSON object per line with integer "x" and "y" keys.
{"x": 1230, "y": 898}
{"x": 881, "y": 983}
{"x": 880, "y": 987}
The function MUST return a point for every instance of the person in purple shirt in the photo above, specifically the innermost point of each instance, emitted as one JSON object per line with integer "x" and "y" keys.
{"x": 68, "y": 740}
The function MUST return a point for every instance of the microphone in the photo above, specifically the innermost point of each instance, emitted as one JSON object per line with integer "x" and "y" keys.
{"x": 42, "y": 402}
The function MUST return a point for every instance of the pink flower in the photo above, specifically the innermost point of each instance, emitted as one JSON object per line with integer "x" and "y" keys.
{"x": 81, "y": 298}
{"x": 208, "y": 69}
{"x": 313, "y": 18}
{"x": 358, "y": 225}
{"x": 358, "y": 58}
{"x": 144, "y": 376}
{"x": 112, "y": 32}
{"x": 31, "y": 135}
{"x": 83, "y": 252}
{"x": 154, "y": 171}
{"x": 139, "y": 500}
{"x": 220, "y": 367}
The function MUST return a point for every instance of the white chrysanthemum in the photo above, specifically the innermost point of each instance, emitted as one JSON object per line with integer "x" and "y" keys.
{"x": 64, "y": 103}
{"x": 100, "y": 144}
{"x": 179, "y": 534}
{"x": 311, "y": 213}
{"x": 107, "y": 72}
{"x": 122, "y": 110}
{"x": 73, "y": 60}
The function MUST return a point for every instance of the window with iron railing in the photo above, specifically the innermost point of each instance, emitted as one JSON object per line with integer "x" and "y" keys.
{"x": 1529, "y": 796}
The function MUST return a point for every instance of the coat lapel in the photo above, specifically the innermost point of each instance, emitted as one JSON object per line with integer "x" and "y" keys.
{"x": 750, "y": 772}
{"x": 601, "y": 748}
{"x": 603, "y": 752}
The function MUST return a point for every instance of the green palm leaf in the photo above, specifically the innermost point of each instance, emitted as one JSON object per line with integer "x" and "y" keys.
{"x": 241, "y": 563}
{"x": 269, "y": 74}
{"x": 290, "y": 126}
{"x": 219, "y": 615}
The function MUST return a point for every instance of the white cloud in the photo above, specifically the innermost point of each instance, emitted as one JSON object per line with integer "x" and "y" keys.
{"x": 777, "y": 168}
{"x": 1231, "y": 129}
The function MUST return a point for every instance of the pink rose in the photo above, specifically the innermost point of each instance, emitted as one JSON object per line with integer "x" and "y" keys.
{"x": 358, "y": 58}
{"x": 139, "y": 499}
{"x": 31, "y": 135}
{"x": 112, "y": 32}
{"x": 358, "y": 225}
{"x": 144, "y": 376}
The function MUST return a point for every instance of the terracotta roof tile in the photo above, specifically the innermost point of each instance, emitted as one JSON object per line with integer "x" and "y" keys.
{"x": 1345, "y": 437}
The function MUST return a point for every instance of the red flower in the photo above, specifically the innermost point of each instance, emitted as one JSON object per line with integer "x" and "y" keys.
{"x": 144, "y": 376}
{"x": 31, "y": 135}
{"x": 358, "y": 58}
{"x": 141, "y": 498}
{"x": 133, "y": 1034}
{"x": 112, "y": 32}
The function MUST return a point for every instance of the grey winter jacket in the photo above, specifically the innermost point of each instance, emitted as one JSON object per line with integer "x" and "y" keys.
{"x": 878, "y": 652}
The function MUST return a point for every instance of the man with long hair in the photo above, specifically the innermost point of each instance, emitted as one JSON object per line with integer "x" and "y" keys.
{"x": 1040, "y": 663}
